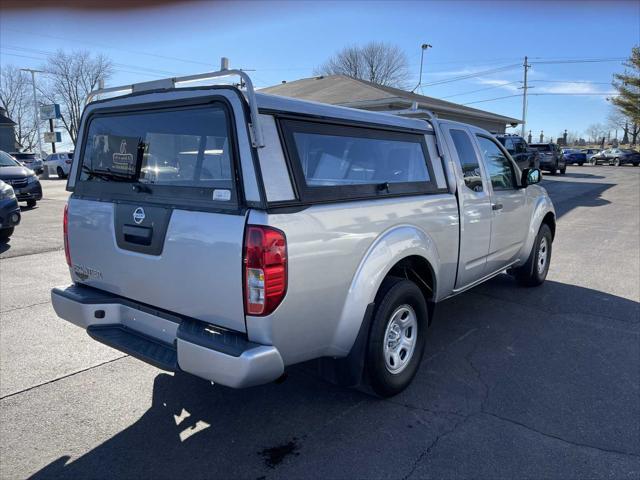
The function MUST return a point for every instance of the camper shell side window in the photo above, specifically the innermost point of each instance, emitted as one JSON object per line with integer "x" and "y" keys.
{"x": 333, "y": 162}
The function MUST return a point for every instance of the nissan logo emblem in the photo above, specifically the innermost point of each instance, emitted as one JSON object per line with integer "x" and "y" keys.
{"x": 138, "y": 215}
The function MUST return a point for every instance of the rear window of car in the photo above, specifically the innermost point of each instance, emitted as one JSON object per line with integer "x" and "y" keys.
{"x": 333, "y": 162}
{"x": 24, "y": 156}
{"x": 167, "y": 151}
{"x": 541, "y": 148}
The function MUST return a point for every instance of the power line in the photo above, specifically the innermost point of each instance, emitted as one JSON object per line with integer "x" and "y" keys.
{"x": 472, "y": 75}
{"x": 492, "y": 99}
{"x": 481, "y": 89}
{"x": 584, "y": 60}
{"x": 103, "y": 45}
{"x": 572, "y": 81}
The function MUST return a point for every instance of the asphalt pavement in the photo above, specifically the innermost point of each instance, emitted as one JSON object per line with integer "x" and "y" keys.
{"x": 515, "y": 383}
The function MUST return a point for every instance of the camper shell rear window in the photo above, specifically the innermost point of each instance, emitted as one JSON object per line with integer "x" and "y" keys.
{"x": 183, "y": 153}
{"x": 341, "y": 162}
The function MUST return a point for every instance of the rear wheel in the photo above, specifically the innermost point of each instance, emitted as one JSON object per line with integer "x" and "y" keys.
{"x": 635, "y": 164}
{"x": 580, "y": 164}
{"x": 60, "y": 172}
{"x": 616, "y": 162}
{"x": 397, "y": 337}
{"x": 553, "y": 170}
{"x": 534, "y": 271}
{"x": 5, "y": 233}
{"x": 563, "y": 170}
{"x": 31, "y": 203}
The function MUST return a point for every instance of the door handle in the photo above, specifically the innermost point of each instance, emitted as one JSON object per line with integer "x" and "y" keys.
{"x": 496, "y": 206}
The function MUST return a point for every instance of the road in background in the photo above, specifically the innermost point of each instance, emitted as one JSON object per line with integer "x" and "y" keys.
{"x": 516, "y": 382}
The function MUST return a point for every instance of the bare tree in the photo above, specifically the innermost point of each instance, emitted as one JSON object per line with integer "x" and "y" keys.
{"x": 71, "y": 77}
{"x": 596, "y": 132}
{"x": 16, "y": 97}
{"x": 375, "y": 62}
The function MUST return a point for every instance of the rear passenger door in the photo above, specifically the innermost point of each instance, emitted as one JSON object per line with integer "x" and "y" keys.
{"x": 475, "y": 206}
{"x": 509, "y": 220}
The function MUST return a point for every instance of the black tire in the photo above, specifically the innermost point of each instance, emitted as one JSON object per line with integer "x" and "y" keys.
{"x": 563, "y": 170}
{"x": 552, "y": 171}
{"x": 529, "y": 275}
{"x": 635, "y": 164}
{"x": 5, "y": 233}
{"x": 580, "y": 164}
{"x": 31, "y": 203}
{"x": 395, "y": 294}
{"x": 60, "y": 172}
{"x": 616, "y": 162}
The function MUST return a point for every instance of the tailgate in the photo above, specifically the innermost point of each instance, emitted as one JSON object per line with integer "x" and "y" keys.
{"x": 191, "y": 264}
{"x": 156, "y": 215}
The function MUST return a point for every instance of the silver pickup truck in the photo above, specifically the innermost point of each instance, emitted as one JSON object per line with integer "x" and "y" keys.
{"x": 229, "y": 234}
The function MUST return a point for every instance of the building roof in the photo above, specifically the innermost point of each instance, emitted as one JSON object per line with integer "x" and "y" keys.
{"x": 4, "y": 120}
{"x": 351, "y": 92}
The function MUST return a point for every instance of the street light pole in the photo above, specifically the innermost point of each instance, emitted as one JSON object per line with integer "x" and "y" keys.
{"x": 422, "y": 49}
{"x": 36, "y": 115}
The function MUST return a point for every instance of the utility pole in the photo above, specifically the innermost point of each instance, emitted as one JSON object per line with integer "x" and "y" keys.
{"x": 422, "y": 49}
{"x": 36, "y": 115}
{"x": 524, "y": 95}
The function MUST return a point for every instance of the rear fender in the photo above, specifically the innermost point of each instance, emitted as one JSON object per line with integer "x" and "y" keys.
{"x": 388, "y": 249}
{"x": 542, "y": 206}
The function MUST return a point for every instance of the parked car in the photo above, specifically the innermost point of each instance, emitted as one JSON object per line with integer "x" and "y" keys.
{"x": 572, "y": 155}
{"x": 550, "y": 157}
{"x": 248, "y": 259}
{"x": 29, "y": 160}
{"x": 59, "y": 163}
{"x": 9, "y": 211}
{"x": 24, "y": 181}
{"x": 517, "y": 147}
{"x": 590, "y": 152}
{"x": 617, "y": 157}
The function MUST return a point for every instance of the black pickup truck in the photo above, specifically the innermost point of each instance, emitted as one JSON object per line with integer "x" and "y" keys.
{"x": 523, "y": 155}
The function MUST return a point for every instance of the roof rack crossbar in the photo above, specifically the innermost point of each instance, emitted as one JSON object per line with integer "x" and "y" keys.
{"x": 257, "y": 140}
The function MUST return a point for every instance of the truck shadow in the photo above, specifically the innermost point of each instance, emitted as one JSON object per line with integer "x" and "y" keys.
{"x": 194, "y": 430}
{"x": 567, "y": 195}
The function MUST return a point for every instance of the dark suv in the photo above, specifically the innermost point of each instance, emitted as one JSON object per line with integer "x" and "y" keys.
{"x": 524, "y": 156}
{"x": 550, "y": 157}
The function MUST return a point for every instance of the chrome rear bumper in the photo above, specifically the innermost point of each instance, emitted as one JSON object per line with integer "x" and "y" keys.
{"x": 166, "y": 340}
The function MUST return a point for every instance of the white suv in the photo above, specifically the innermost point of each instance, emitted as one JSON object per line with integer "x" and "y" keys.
{"x": 59, "y": 163}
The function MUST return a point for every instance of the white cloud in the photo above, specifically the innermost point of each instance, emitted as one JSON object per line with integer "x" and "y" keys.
{"x": 508, "y": 85}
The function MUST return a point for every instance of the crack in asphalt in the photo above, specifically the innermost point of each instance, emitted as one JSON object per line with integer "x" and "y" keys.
{"x": 33, "y": 387}
{"x": 556, "y": 437}
{"x": 26, "y": 306}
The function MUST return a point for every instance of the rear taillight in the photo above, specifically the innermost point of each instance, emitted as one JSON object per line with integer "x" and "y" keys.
{"x": 65, "y": 230}
{"x": 265, "y": 269}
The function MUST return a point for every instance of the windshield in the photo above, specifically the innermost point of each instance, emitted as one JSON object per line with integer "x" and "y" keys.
{"x": 24, "y": 156}
{"x": 7, "y": 161}
{"x": 186, "y": 147}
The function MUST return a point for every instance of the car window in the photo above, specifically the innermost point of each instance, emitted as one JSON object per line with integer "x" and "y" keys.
{"x": 468, "y": 159}
{"x": 520, "y": 147}
{"x": 332, "y": 162}
{"x": 185, "y": 148}
{"x": 7, "y": 160}
{"x": 499, "y": 167}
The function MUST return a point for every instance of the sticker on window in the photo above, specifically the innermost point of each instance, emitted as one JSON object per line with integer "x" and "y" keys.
{"x": 223, "y": 195}
{"x": 123, "y": 161}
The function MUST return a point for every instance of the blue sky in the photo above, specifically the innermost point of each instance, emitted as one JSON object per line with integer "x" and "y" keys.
{"x": 286, "y": 40}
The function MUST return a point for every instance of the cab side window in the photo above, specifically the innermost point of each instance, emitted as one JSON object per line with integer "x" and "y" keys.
{"x": 468, "y": 159}
{"x": 499, "y": 167}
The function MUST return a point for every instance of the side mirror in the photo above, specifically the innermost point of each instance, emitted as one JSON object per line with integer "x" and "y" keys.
{"x": 530, "y": 176}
